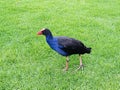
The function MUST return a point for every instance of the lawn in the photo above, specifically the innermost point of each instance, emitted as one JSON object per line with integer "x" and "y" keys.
{"x": 28, "y": 63}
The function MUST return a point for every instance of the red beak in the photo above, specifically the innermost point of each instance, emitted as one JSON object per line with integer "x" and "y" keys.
{"x": 39, "y": 33}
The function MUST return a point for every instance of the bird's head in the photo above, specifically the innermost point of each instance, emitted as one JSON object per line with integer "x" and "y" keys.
{"x": 44, "y": 31}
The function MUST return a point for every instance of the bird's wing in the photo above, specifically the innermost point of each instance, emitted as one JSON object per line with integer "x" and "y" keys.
{"x": 70, "y": 45}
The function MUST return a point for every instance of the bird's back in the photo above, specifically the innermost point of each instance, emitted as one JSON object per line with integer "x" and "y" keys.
{"x": 71, "y": 46}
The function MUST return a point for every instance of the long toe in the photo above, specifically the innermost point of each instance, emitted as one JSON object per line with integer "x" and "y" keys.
{"x": 65, "y": 69}
{"x": 80, "y": 67}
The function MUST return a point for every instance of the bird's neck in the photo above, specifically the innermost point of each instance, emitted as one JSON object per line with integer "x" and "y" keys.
{"x": 49, "y": 37}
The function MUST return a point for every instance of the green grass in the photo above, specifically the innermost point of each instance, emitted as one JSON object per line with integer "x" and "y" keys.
{"x": 27, "y": 62}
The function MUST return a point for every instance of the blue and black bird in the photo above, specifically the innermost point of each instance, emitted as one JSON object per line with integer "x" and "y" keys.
{"x": 65, "y": 46}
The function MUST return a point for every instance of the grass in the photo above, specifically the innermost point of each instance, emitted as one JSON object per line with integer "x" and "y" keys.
{"x": 27, "y": 62}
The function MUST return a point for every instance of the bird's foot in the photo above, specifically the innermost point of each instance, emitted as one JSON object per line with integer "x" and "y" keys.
{"x": 80, "y": 67}
{"x": 65, "y": 69}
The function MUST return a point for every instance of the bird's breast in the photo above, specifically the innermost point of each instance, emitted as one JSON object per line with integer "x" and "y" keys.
{"x": 54, "y": 45}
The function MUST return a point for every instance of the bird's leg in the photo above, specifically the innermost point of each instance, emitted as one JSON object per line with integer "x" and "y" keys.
{"x": 81, "y": 65}
{"x": 81, "y": 61}
{"x": 67, "y": 61}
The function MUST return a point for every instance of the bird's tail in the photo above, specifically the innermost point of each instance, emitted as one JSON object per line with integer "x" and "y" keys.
{"x": 88, "y": 50}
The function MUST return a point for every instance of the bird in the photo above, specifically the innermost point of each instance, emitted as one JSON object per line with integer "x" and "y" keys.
{"x": 65, "y": 46}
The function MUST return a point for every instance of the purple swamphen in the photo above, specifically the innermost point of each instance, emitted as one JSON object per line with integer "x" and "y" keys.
{"x": 65, "y": 46}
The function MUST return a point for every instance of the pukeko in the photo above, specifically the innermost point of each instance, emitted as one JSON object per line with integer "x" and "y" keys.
{"x": 65, "y": 46}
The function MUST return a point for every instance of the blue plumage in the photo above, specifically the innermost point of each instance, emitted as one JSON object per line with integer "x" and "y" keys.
{"x": 53, "y": 43}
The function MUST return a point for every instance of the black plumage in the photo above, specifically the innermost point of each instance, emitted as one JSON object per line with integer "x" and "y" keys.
{"x": 72, "y": 46}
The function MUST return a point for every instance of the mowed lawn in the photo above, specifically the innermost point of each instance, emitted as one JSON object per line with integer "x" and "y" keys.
{"x": 28, "y": 63}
